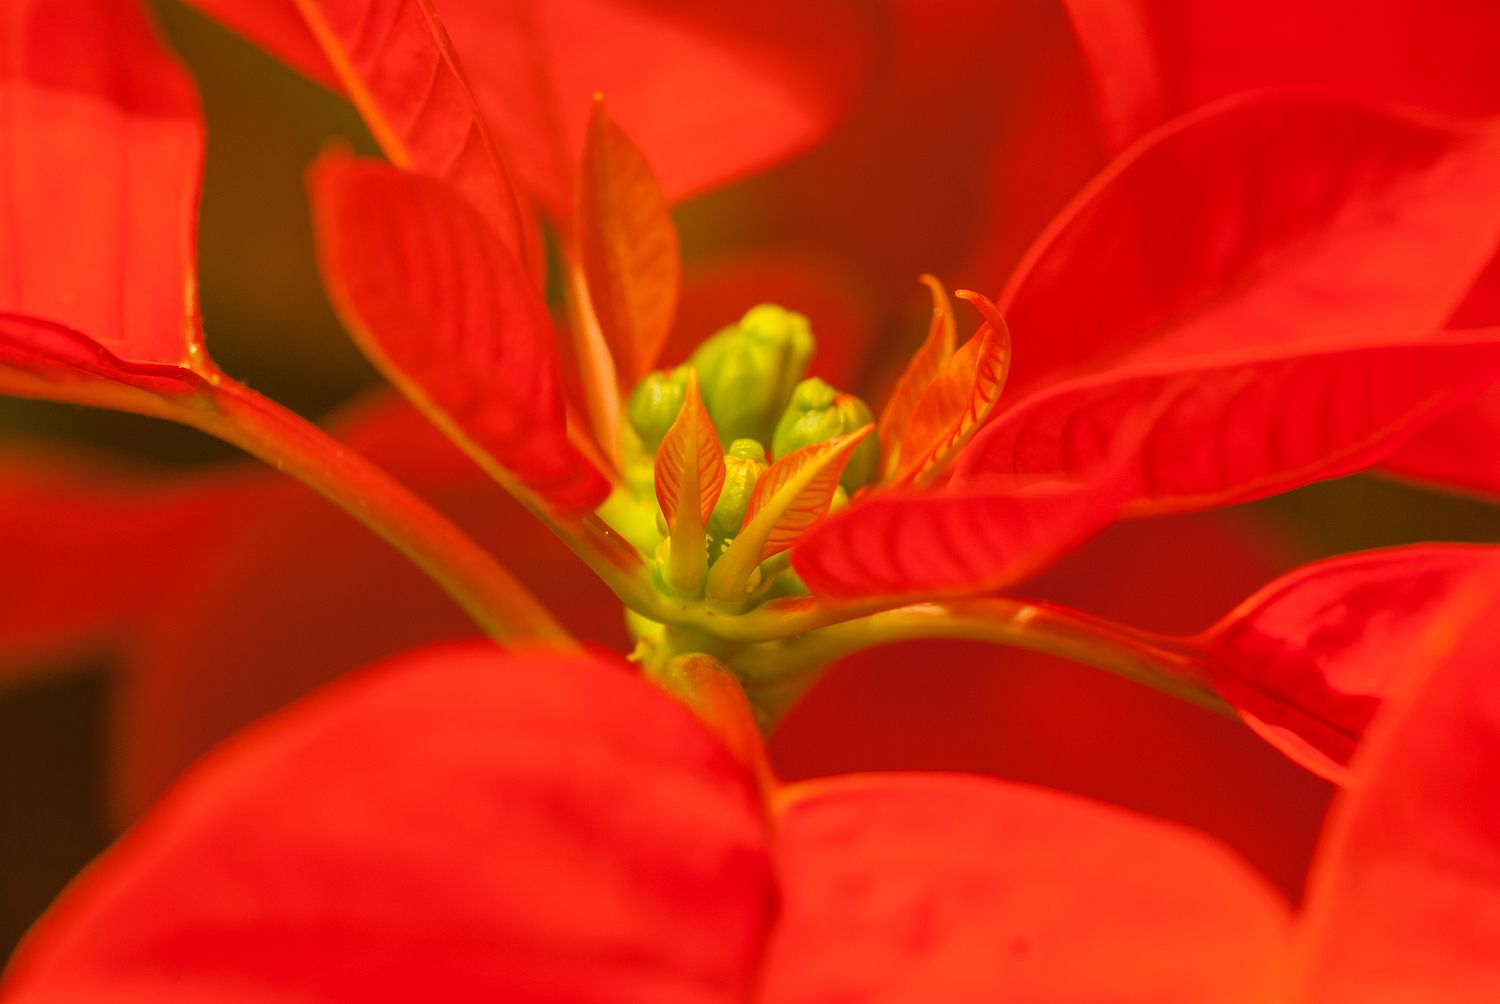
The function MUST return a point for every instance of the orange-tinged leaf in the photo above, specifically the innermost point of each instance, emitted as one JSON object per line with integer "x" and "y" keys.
{"x": 451, "y": 318}
{"x": 956, "y": 888}
{"x": 628, "y": 246}
{"x": 918, "y": 375}
{"x": 397, "y": 63}
{"x": 690, "y": 462}
{"x": 1307, "y": 660}
{"x": 1402, "y": 902}
{"x": 795, "y": 492}
{"x": 958, "y": 399}
{"x": 1238, "y": 426}
{"x": 791, "y": 496}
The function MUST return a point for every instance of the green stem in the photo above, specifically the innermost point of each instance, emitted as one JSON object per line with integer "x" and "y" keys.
{"x": 496, "y": 601}
{"x": 781, "y": 671}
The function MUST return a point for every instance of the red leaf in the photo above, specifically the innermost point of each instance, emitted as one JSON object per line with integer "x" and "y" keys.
{"x": 457, "y": 825}
{"x": 1308, "y": 660}
{"x": 958, "y": 889}
{"x": 99, "y": 192}
{"x": 451, "y": 318}
{"x": 628, "y": 247}
{"x": 398, "y": 66}
{"x": 1403, "y": 904}
{"x": 1457, "y": 450}
{"x": 919, "y": 374}
{"x": 970, "y": 539}
{"x": 1230, "y": 428}
{"x": 1306, "y": 220}
{"x": 1152, "y": 59}
{"x": 957, "y": 401}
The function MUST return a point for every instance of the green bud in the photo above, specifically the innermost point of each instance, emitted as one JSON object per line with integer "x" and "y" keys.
{"x": 819, "y": 413}
{"x": 654, "y": 405}
{"x": 743, "y": 465}
{"x": 748, "y": 370}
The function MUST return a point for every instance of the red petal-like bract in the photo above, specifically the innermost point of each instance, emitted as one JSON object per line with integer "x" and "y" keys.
{"x": 278, "y": 27}
{"x": 458, "y": 824}
{"x": 99, "y": 194}
{"x": 918, "y": 375}
{"x": 970, "y": 539}
{"x": 1457, "y": 450}
{"x": 1308, "y": 660}
{"x": 628, "y": 247}
{"x": 1403, "y": 902}
{"x": 950, "y": 888}
{"x": 797, "y": 500}
{"x": 1153, "y": 59}
{"x": 1233, "y": 427}
{"x": 690, "y": 457}
{"x": 450, "y": 316}
{"x": 676, "y": 70}
{"x": 1307, "y": 220}
{"x": 397, "y": 64}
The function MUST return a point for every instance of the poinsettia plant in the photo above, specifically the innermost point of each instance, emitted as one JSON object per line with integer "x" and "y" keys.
{"x": 1256, "y": 292}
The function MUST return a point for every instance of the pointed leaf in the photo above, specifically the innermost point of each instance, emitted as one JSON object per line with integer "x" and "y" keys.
{"x": 1306, "y": 220}
{"x": 970, "y": 539}
{"x": 103, "y": 147}
{"x": 1230, "y": 428}
{"x": 795, "y": 492}
{"x": 917, "y": 377}
{"x": 955, "y": 888}
{"x": 628, "y": 247}
{"x": 450, "y": 317}
{"x": 396, "y": 62}
{"x": 1404, "y": 901}
{"x": 457, "y": 824}
{"x": 957, "y": 401}
{"x": 690, "y": 463}
{"x": 1306, "y": 660}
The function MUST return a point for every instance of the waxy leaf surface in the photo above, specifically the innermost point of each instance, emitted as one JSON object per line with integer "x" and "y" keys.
{"x": 397, "y": 64}
{"x": 966, "y": 539}
{"x": 457, "y": 823}
{"x": 1307, "y": 220}
{"x": 910, "y": 887}
{"x": 796, "y": 491}
{"x": 1310, "y": 659}
{"x": 1404, "y": 901}
{"x": 628, "y": 246}
{"x": 1231, "y": 428}
{"x": 447, "y": 312}
{"x": 99, "y": 191}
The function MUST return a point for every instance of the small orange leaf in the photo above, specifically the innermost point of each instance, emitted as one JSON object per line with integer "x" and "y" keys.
{"x": 958, "y": 401}
{"x": 918, "y": 375}
{"x": 628, "y": 246}
{"x": 690, "y": 461}
{"x": 793, "y": 494}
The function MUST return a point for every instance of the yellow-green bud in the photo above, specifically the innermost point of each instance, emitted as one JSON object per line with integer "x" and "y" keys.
{"x": 819, "y": 413}
{"x": 743, "y": 465}
{"x": 747, "y": 371}
{"x": 654, "y": 405}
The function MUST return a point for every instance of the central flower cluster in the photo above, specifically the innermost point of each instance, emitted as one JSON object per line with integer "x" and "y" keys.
{"x": 732, "y": 456}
